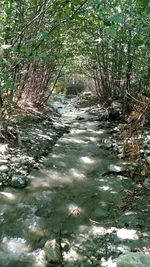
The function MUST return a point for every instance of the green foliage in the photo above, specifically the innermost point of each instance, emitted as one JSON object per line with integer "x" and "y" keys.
{"x": 107, "y": 41}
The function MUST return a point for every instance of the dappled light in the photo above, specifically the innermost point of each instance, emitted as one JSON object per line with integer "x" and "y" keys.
{"x": 73, "y": 140}
{"x": 87, "y": 160}
{"x": 77, "y": 174}
{"x": 8, "y": 196}
{"x": 127, "y": 234}
{"x": 15, "y": 245}
{"x": 108, "y": 263}
{"x": 105, "y": 188}
{"x": 72, "y": 256}
{"x": 98, "y": 230}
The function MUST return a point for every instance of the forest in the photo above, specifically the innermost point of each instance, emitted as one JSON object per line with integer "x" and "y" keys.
{"x": 74, "y": 133}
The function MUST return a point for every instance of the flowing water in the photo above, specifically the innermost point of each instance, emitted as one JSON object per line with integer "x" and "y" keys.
{"x": 68, "y": 194}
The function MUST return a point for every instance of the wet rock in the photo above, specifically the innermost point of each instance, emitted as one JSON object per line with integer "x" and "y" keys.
{"x": 116, "y": 105}
{"x": 147, "y": 183}
{"x": 3, "y": 161}
{"x": 65, "y": 246}
{"x": 53, "y": 251}
{"x": 114, "y": 115}
{"x": 116, "y": 168}
{"x": 4, "y": 149}
{"x": 133, "y": 260}
{"x": 108, "y": 146}
{"x": 19, "y": 181}
{"x": 4, "y": 168}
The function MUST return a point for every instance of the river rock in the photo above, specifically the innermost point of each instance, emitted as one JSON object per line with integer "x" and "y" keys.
{"x": 4, "y": 168}
{"x": 116, "y": 105}
{"x": 116, "y": 168}
{"x": 133, "y": 260}
{"x": 53, "y": 251}
{"x": 19, "y": 181}
{"x": 4, "y": 149}
{"x": 3, "y": 161}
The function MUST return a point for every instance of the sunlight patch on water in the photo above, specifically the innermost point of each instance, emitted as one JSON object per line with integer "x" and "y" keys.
{"x": 15, "y": 245}
{"x": 87, "y": 160}
{"x": 97, "y": 132}
{"x": 98, "y": 230}
{"x": 115, "y": 168}
{"x": 78, "y": 131}
{"x": 75, "y": 173}
{"x": 101, "y": 231}
{"x": 73, "y": 140}
{"x": 104, "y": 188}
{"x": 93, "y": 139}
{"x": 45, "y": 136}
{"x": 39, "y": 258}
{"x": 55, "y": 156}
{"x": 8, "y": 195}
{"x": 127, "y": 234}
{"x": 108, "y": 263}
{"x": 71, "y": 256}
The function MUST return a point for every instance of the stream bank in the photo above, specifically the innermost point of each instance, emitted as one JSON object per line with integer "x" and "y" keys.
{"x": 70, "y": 196}
{"x": 35, "y": 136}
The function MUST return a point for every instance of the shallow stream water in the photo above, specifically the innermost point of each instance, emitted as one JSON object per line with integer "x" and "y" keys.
{"x": 69, "y": 194}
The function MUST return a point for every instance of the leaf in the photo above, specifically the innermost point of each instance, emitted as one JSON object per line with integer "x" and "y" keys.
{"x": 111, "y": 31}
{"x": 143, "y": 3}
{"x": 116, "y": 19}
{"x": 41, "y": 55}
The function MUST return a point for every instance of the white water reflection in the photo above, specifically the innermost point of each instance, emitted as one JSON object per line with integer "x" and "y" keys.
{"x": 127, "y": 234}
{"x": 77, "y": 174}
{"x": 9, "y": 196}
{"x": 15, "y": 245}
{"x": 87, "y": 160}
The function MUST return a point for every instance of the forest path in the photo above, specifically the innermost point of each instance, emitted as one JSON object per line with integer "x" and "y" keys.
{"x": 70, "y": 195}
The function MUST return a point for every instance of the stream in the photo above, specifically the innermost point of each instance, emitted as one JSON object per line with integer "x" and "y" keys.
{"x": 69, "y": 194}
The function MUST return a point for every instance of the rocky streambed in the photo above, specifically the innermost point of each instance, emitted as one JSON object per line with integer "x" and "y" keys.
{"x": 76, "y": 209}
